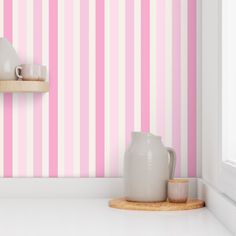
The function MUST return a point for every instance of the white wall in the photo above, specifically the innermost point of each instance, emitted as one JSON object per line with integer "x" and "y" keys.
{"x": 210, "y": 90}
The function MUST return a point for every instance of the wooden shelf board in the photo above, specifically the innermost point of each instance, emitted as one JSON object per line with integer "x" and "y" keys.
{"x": 15, "y": 86}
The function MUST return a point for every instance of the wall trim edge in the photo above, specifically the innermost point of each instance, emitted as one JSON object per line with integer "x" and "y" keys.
{"x": 68, "y": 187}
{"x": 223, "y": 208}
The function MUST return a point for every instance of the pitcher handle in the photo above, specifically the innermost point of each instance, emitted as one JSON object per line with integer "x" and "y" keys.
{"x": 172, "y": 162}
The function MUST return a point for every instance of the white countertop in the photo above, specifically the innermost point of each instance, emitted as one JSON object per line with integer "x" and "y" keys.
{"x": 85, "y": 217}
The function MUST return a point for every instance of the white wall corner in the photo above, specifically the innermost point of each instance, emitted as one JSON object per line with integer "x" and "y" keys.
{"x": 223, "y": 208}
{"x": 210, "y": 90}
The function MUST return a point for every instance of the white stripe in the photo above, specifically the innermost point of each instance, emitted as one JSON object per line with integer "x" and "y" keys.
{"x": 61, "y": 89}
{"x": 1, "y": 102}
{"x": 153, "y": 66}
{"x": 184, "y": 88}
{"x": 45, "y": 98}
{"x": 29, "y": 97}
{"x": 15, "y": 96}
{"x": 107, "y": 86}
{"x": 199, "y": 87}
{"x": 137, "y": 65}
{"x": 121, "y": 84}
{"x": 76, "y": 89}
{"x": 168, "y": 72}
{"x": 92, "y": 82}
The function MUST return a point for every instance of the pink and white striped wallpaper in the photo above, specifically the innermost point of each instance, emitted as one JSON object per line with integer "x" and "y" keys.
{"x": 114, "y": 66}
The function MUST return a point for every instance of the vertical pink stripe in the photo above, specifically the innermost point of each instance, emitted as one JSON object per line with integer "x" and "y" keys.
{"x": 22, "y": 99}
{"x": 68, "y": 155}
{"x": 129, "y": 69}
{"x": 22, "y": 30}
{"x": 8, "y": 98}
{"x": 176, "y": 117}
{"x": 145, "y": 61}
{"x": 7, "y": 135}
{"x": 53, "y": 94}
{"x": 22, "y": 136}
{"x": 100, "y": 88}
{"x": 192, "y": 88}
{"x": 114, "y": 87}
{"x": 84, "y": 88}
{"x": 37, "y": 96}
{"x": 161, "y": 68}
{"x": 37, "y": 134}
{"x": 38, "y": 31}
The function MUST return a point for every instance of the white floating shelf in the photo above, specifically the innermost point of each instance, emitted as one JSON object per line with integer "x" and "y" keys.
{"x": 16, "y": 86}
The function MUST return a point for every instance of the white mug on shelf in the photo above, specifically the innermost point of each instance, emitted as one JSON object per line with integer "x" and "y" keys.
{"x": 31, "y": 72}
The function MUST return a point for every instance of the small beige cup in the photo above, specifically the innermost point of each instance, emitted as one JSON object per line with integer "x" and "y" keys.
{"x": 31, "y": 72}
{"x": 178, "y": 190}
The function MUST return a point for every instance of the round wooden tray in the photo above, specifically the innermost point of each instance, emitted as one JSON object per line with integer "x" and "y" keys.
{"x": 121, "y": 203}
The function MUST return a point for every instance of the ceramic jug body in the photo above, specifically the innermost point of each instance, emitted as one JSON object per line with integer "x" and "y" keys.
{"x": 8, "y": 60}
{"x": 147, "y": 168}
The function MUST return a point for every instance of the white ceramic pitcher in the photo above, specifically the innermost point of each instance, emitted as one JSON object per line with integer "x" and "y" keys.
{"x": 8, "y": 60}
{"x": 147, "y": 168}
